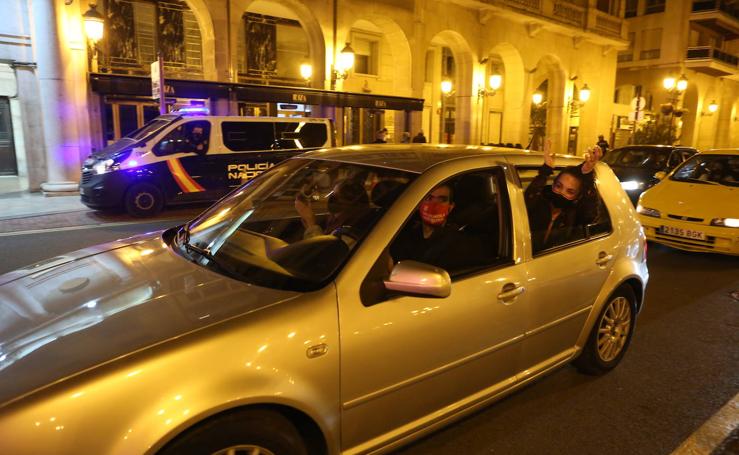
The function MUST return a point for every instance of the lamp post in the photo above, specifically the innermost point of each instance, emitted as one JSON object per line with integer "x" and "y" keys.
{"x": 344, "y": 62}
{"x": 94, "y": 29}
{"x": 675, "y": 88}
{"x": 446, "y": 89}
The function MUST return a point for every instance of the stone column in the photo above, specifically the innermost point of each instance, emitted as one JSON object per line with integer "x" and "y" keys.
{"x": 57, "y": 107}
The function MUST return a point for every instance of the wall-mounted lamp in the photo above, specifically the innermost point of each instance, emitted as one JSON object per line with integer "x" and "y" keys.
{"x": 537, "y": 98}
{"x": 306, "y": 71}
{"x": 495, "y": 81}
{"x": 94, "y": 23}
{"x": 584, "y": 94}
{"x": 712, "y": 107}
{"x": 344, "y": 62}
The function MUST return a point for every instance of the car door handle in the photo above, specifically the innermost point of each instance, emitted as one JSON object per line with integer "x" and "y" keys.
{"x": 603, "y": 258}
{"x": 510, "y": 291}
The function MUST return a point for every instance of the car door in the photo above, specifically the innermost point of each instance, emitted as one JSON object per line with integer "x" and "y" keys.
{"x": 193, "y": 173}
{"x": 409, "y": 360}
{"x": 568, "y": 278}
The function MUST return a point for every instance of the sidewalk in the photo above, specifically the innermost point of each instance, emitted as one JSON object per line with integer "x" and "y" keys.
{"x": 24, "y": 211}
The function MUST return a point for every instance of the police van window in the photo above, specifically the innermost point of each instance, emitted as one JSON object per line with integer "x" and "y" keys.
{"x": 301, "y": 135}
{"x": 248, "y": 136}
{"x": 190, "y": 137}
{"x": 585, "y": 219}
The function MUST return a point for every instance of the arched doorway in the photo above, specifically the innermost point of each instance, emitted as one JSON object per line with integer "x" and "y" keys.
{"x": 502, "y": 113}
{"x": 550, "y": 115}
{"x": 448, "y": 84}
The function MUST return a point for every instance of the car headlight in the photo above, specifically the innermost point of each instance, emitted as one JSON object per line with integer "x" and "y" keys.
{"x": 646, "y": 211}
{"x": 101, "y": 167}
{"x": 725, "y": 222}
{"x": 631, "y": 185}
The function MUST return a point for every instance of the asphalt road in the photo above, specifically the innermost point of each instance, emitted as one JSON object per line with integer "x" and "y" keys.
{"x": 682, "y": 366}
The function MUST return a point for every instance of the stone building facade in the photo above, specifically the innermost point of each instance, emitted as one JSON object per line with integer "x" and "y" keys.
{"x": 691, "y": 39}
{"x": 69, "y": 96}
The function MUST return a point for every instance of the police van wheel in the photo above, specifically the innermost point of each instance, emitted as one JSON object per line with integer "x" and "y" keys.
{"x": 143, "y": 199}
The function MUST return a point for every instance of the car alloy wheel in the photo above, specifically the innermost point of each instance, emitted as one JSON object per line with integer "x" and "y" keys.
{"x": 614, "y": 328}
{"x": 248, "y": 449}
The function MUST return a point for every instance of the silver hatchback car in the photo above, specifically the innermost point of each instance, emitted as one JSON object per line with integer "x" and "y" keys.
{"x": 346, "y": 301}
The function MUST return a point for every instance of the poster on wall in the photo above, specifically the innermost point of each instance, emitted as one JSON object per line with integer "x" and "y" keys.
{"x": 261, "y": 45}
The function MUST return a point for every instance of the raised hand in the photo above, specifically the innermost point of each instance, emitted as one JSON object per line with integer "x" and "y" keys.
{"x": 548, "y": 153}
{"x": 592, "y": 156}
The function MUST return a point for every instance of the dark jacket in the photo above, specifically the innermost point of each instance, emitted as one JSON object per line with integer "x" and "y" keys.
{"x": 446, "y": 248}
{"x": 571, "y": 222}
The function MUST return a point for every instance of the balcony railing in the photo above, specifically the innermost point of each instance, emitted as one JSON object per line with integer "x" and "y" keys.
{"x": 574, "y": 13}
{"x": 625, "y": 57}
{"x": 709, "y": 53}
{"x": 702, "y": 6}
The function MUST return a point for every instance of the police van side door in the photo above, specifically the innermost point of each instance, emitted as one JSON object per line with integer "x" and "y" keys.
{"x": 247, "y": 150}
{"x": 188, "y": 171}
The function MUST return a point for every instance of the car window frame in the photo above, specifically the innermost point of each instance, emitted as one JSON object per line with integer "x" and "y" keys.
{"x": 587, "y": 238}
{"x": 207, "y": 125}
{"x": 506, "y": 231}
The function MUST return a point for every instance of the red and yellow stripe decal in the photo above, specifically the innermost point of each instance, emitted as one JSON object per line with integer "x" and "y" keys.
{"x": 183, "y": 179}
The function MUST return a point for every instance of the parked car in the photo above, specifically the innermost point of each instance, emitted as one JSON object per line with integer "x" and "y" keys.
{"x": 239, "y": 330}
{"x": 187, "y": 157}
{"x": 697, "y": 207}
{"x": 639, "y": 167}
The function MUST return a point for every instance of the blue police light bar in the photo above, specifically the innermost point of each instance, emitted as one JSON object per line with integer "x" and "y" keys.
{"x": 193, "y": 110}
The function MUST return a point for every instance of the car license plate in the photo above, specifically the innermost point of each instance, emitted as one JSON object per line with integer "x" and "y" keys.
{"x": 686, "y": 233}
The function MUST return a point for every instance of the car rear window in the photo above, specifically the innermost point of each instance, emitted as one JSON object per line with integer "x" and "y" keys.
{"x": 300, "y": 135}
{"x": 638, "y": 157}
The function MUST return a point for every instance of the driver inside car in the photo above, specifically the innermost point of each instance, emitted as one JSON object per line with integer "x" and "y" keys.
{"x": 431, "y": 239}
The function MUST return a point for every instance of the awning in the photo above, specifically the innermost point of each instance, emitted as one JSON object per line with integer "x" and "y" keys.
{"x": 109, "y": 84}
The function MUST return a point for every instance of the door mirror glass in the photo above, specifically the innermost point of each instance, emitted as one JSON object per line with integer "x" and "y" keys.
{"x": 417, "y": 278}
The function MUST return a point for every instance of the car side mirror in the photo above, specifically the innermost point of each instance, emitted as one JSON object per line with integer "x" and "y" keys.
{"x": 417, "y": 278}
{"x": 660, "y": 175}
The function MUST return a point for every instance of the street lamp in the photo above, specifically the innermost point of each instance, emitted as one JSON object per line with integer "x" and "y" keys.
{"x": 495, "y": 81}
{"x": 344, "y": 62}
{"x": 306, "y": 71}
{"x": 712, "y": 108}
{"x": 537, "y": 98}
{"x": 675, "y": 88}
{"x": 446, "y": 90}
{"x": 94, "y": 28}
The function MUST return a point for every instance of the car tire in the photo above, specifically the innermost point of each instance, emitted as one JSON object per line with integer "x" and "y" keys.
{"x": 611, "y": 334}
{"x": 242, "y": 431}
{"x": 143, "y": 200}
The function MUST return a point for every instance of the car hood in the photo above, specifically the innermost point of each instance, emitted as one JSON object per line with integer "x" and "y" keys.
{"x": 100, "y": 304}
{"x": 697, "y": 200}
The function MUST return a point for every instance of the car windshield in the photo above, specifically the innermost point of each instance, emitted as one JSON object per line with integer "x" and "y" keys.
{"x": 294, "y": 226}
{"x": 150, "y": 128}
{"x": 638, "y": 157}
{"x": 709, "y": 169}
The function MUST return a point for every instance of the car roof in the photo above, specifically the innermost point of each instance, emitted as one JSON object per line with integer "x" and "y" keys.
{"x": 720, "y": 152}
{"x": 418, "y": 158}
{"x": 653, "y": 147}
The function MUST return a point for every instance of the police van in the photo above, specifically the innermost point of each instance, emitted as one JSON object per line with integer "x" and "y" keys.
{"x": 183, "y": 158}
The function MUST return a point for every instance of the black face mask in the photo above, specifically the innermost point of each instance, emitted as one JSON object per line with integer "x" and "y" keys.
{"x": 557, "y": 199}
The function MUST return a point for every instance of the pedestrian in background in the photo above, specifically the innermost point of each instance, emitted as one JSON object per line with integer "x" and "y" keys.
{"x": 419, "y": 138}
{"x": 603, "y": 144}
{"x": 381, "y": 136}
{"x": 405, "y": 138}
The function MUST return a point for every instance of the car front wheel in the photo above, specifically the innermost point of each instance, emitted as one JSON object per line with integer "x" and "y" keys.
{"x": 611, "y": 334}
{"x": 143, "y": 199}
{"x": 263, "y": 432}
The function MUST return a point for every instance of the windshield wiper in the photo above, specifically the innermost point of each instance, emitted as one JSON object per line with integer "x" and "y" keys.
{"x": 184, "y": 237}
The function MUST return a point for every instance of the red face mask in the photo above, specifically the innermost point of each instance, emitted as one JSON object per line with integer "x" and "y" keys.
{"x": 434, "y": 213}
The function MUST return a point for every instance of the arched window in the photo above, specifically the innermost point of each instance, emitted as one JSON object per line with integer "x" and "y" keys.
{"x": 137, "y": 30}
